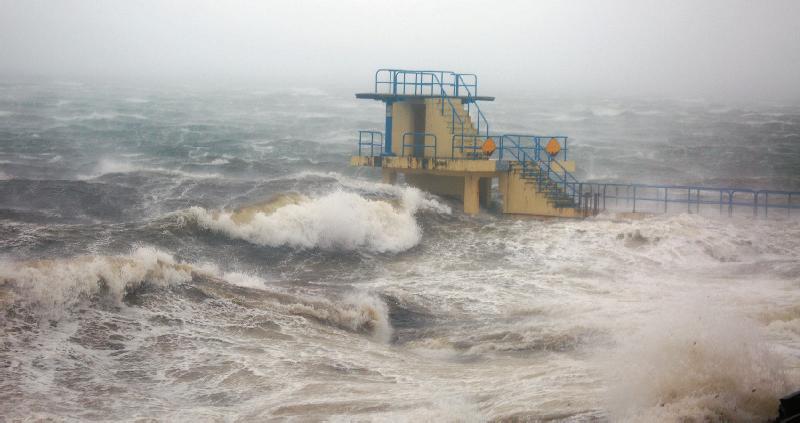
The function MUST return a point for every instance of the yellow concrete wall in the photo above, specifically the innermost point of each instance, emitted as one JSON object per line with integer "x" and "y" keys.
{"x": 436, "y": 124}
{"x": 520, "y": 197}
{"x": 402, "y": 122}
{"x": 446, "y": 186}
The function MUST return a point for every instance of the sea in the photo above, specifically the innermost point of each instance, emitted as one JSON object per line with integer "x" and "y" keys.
{"x": 207, "y": 254}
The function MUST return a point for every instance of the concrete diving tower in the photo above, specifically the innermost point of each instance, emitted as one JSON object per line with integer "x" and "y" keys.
{"x": 438, "y": 139}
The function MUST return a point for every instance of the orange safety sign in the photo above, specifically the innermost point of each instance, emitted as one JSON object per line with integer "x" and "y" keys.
{"x": 553, "y": 147}
{"x": 488, "y": 147}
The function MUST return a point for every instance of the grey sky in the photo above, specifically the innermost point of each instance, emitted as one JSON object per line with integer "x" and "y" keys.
{"x": 714, "y": 49}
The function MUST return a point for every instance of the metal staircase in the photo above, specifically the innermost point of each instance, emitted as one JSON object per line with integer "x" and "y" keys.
{"x": 538, "y": 168}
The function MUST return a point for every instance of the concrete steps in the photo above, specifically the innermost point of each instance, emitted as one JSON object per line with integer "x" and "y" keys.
{"x": 542, "y": 184}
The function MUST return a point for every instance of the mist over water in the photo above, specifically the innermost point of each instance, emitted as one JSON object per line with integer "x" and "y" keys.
{"x": 196, "y": 254}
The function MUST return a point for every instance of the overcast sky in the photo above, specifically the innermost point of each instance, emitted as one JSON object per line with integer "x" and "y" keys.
{"x": 690, "y": 48}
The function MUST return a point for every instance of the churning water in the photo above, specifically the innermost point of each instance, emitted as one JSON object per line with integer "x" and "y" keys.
{"x": 188, "y": 255}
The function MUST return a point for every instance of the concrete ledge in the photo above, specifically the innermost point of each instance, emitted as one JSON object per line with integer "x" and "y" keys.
{"x": 406, "y": 97}
{"x": 438, "y": 166}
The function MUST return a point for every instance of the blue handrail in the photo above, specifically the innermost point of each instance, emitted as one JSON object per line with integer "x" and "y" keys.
{"x": 536, "y": 143}
{"x": 470, "y": 100}
{"x": 425, "y": 136}
{"x": 436, "y": 83}
{"x": 436, "y": 80}
{"x": 362, "y": 142}
{"x": 694, "y": 197}
{"x": 545, "y": 166}
{"x": 474, "y": 146}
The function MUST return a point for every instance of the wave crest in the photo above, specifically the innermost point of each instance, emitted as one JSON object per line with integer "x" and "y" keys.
{"x": 338, "y": 220}
{"x": 56, "y": 283}
{"x": 52, "y": 286}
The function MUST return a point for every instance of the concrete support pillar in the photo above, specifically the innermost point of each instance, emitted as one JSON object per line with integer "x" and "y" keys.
{"x": 389, "y": 176}
{"x": 485, "y": 193}
{"x": 503, "y": 186}
{"x": 471, "y": 194}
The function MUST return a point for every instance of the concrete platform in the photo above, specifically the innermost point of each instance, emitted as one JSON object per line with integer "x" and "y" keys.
{"x": 407, "y": 97}
{"x": 455, "y": 167}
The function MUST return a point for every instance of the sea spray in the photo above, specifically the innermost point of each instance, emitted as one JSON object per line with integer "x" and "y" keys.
{"x": 695, "y": 362}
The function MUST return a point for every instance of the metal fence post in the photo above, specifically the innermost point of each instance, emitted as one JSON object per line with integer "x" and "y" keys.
{"x": 755, "y": 204}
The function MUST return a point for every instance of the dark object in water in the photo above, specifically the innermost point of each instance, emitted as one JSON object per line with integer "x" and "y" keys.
{"x": 789, "y": 410}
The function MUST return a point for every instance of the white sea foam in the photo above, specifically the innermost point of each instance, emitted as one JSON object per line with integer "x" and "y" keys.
{"x": 110, "y": 166}
{"x": 358, "y": 312}
{"x": 136, "y": 100}
{"x": 99, "y": 116}
{"x": 605, "y": 111}
{"x": 246, "y": 280}
{"x": 55, "y": 283}
{"x": 695, "y": 362}
{"x": 339, "y": 220}
{"x": 52, "y": 285}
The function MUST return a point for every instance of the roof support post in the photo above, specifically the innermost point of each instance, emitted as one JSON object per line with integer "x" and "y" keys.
{"x": 387, "y": 144}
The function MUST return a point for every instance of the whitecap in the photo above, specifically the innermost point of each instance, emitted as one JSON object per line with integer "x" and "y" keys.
{"x": 338, "y": 220}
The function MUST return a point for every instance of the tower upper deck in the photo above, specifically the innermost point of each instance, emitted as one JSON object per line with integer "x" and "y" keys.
{"x": 403, "y": 84}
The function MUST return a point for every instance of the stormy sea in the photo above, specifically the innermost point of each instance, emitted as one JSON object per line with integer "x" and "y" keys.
{"x": 189, "y": 254}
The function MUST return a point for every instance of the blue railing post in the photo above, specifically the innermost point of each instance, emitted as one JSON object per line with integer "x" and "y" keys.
{"x": 755, "y": 204}
{"x": 387, "y": 147}
{"x": 730, "y": 203}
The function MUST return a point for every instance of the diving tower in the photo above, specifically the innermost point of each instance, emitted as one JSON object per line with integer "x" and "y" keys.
{"x": 437, "y": 137}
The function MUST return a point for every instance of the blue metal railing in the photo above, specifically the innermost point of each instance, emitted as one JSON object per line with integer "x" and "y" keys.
{"x": 424, "y": 82}
{"x": 538, "y": 164}
{"x": 537, "y": 143}
{"x": 470, "y": 100}
{"x": 363, "y": 142}
{"x": 472, "y": 149}
{"x": 658, "y": 198}
{"x": 436, "y": 83}
{"x": 416, "y": 146}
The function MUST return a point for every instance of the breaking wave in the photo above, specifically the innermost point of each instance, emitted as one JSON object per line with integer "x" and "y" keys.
{"x": 51, "y": 286}
{"x": 56, "y": 283}
{"x": 338, "y": 220}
